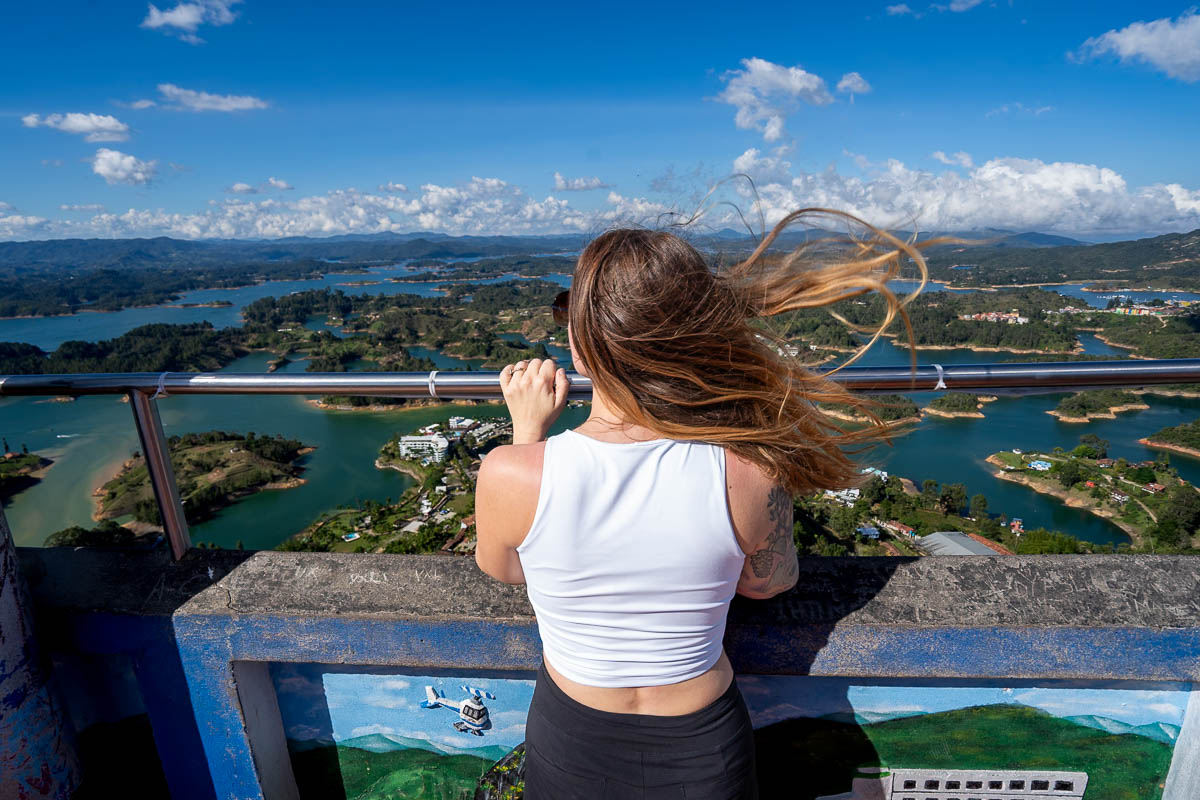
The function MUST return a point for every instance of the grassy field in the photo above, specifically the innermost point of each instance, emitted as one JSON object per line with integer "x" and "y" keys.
{"x": 332, "y": 771}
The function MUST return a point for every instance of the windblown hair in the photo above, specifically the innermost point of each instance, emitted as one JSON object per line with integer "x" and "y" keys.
{"x": 674, "y": 345}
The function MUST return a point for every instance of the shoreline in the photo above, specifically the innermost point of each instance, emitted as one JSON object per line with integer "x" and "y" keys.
{"x": 1178, "y": 448}
{"x": 1064, "y": 496}
{"x": 1163, "y": 392}
{"x": 977, "y": 414}
{"x": 937, "y": 412}
{"x": 406, "y": 469}
{"x": 411, "y": 405}
{"x": 1091, "y": 415}
{"x": 866, "y": 421}
{"x": 1078, "y": 348}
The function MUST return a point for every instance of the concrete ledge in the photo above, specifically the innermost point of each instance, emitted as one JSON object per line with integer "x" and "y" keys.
{"x": 1103, "y": 617}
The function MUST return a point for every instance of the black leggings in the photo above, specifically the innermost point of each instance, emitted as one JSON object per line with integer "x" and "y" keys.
{"x": 573, "y": 751}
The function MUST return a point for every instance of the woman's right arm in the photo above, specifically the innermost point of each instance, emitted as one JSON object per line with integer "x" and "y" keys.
{"x": 762, "y": 513}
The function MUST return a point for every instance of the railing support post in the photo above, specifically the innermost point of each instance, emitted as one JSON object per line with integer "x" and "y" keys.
{"x": 162, "y": 476}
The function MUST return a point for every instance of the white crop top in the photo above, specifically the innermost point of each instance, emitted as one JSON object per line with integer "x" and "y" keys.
{"x": 631, "y": 560}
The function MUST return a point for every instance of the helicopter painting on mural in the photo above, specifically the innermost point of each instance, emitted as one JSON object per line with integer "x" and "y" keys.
{"x": 472, "y": 713}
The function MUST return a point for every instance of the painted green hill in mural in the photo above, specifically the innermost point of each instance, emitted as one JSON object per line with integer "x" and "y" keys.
{"x": 405, "y": 774}
{"x": 1119, "y": 766}
{"x": 385, "y": 743}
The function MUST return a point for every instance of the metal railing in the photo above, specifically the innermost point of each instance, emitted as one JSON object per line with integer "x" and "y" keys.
{"x": 144, "y": 389}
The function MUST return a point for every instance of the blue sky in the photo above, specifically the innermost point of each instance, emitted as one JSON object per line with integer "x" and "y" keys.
{"x": 218, "y": 118}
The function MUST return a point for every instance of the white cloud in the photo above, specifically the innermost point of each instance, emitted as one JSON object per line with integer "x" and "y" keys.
{"x": 241, "y": 188}
{"x": 191, "y": 100}
{"x": 392, "y": 186}
{"x": 89, "y": 207}
{"x": 5, "y": 207}
{"x": 853, "y": 83}
{"x": 117, "y": 167}
{"x": 395, "y": 684}
{"x": 955, "y": 5}
{"x": 184, "y": 19}
{"x": 562, "y": 184}
{"x": 93, "y": 127}
{"x": 366, "y": 730}
{"x": 764, "y": 93}
{"x": 1019, "y": 108}
{"x": 279, "y": 183}
{"x": 1014, "y": 193}
{"x": 140, "y": 104}
{"x": 1172, "y": 46}
{"x": 860, "y": 160}
{"x": 17, "y": 226}
{"x": 763, "y": 168}
{"x": 959, "y": 159}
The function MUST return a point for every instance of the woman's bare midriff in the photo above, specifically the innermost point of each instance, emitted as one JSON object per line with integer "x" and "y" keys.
{"x": 671, "y": 700}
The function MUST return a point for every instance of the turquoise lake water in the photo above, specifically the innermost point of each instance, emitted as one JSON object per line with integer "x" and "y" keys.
{"x": 97, "y": 433}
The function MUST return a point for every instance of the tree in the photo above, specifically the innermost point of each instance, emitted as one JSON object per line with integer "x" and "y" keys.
{"x": 843, "y": 521}
{"x": 953, "y": 498}
{"x": 1182, "y": 508}
{"x": 979, "y": 507}
{"x": 929, "y": 493}
{"x": 24, "y": 449}
{"x": 6, "y": 445}
{"x": 875, "y": 490}
{"x": 1100, "y": 446}
{"x": 1069, "y": 473}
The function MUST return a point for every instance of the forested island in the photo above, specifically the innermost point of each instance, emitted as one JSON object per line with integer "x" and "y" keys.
{"x": 20, "y": 470}
{"x": 1096, "y": 404}
{"x": 957, "y": 404}
{"x": 212, "y": 470}
{"x": 890, "y": 408}
{"x": 1180, "y": 438}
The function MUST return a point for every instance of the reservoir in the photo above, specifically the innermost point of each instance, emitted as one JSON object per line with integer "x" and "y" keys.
{"x": 89, "y": 438}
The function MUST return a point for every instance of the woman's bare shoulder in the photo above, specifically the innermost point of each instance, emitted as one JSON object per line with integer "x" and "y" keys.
{"x": 514, "y": 465}
{"x": 506, "y": 494}
{"x": 748, "y": 491}
{"x": 746, "y": 477}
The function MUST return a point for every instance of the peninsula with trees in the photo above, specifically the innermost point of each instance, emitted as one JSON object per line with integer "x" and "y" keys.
{"x": 212, "y": 470}
{"x": 1183, "y": 439}
{"x": 1148, "y": 500}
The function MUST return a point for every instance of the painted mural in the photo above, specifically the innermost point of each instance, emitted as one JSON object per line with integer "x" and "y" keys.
{"x": 371, "y": 736}
{"x": 377, "y": 736}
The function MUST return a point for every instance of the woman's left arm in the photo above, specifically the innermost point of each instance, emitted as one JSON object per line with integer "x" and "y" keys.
{"x": 510, "y": 477}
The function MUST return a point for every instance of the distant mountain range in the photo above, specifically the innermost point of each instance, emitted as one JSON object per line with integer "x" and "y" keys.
{"x": 386, "y": 743}
{"x": 996, "y": 257}
{"x": 1159, "y": 731}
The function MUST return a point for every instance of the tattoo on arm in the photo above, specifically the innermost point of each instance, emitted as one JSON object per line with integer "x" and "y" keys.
{"x": 779, "y": 551}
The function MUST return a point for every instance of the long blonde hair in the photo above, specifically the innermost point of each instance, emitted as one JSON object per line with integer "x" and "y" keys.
{"x": 671, "y": 344}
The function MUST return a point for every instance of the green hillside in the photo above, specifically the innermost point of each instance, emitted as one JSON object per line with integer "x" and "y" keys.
{"x": 409, "y": 774}
{"x": 1119, "y": 767}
